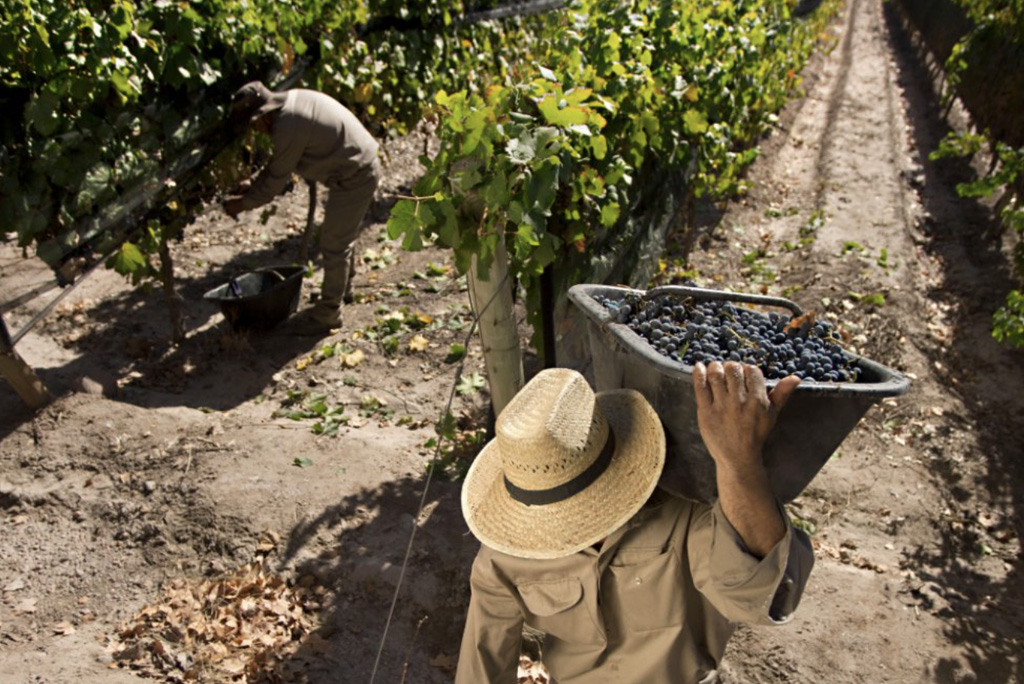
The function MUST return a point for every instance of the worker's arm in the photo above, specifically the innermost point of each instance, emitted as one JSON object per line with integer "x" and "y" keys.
{"x": 735, "y": 415}
{"x": 290, "y": 137}
{"x": 492, "y": 638}
{"x": 745, "y": 556}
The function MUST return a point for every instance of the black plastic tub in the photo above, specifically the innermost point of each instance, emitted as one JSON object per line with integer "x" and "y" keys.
{"x": 810, "y": 428}
{"x": 260, "y": 299}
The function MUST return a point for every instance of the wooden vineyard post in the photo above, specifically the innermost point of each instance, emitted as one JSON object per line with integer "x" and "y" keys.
{"x": 18, "y": 373}
{"x": 499, "y": 334}
{"x": 173, "y": 299}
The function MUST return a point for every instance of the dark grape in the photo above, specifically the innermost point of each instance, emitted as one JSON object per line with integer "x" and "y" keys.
{"x": 689, "y": 331}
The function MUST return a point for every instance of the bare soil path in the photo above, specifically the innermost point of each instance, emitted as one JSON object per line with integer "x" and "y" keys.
{"x": 918, "y": 518}
{"x": 163, "y": 476}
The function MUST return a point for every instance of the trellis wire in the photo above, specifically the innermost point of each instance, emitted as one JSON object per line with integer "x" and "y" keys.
{"x": 430, "y": 474}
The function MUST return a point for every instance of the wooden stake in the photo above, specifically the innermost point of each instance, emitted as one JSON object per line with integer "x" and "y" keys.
{"x": 24, "y": 381}
{"x": 499, "y": 334}
{"x": 171, "y": 296}
{"x": 18, "y": 373}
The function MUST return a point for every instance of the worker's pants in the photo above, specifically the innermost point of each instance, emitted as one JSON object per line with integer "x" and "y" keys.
{"x": 347, "y": 203}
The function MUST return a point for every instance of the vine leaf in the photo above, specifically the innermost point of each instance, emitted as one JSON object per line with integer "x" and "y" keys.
{"x": 44, "y": 113}
{"x": 128, "y": 259}
{"x": 471, "y": 384}
{"x": 695, "y": 122}
{"x": 558, "y": 115}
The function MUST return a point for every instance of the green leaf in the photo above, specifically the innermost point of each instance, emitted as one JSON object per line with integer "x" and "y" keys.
{"x": 542, "y": 189}
{"x": 467, "y": 176}
{"x": 610, "y": 214}
{"x": 523, "y": 149}
{"x": 96, "y": 181}
{"x": 121, "y": 84}
{"x": 599, "y": 144}
{"x": 303, "y": 462}
{"x": 1008, "y": 321}
{"x": 545, "y": 254}
{"x": 448, "y": 230}
{"x": 471, "y": 384}
{"x": 547, "y": 74}
{"x": 403, "y": 219}
{"x": 578, "y": 95}
{"x": 44, "y": 112}
{"x": 455, "y": 353}
{"x": 570, "y": 115}
{"x": 495, "y": 191}
{"x": 695, "y": 122}
{"x": 475, "y": 125}
{"x": 128, "y": 259}
{"x": 806, "y": 526}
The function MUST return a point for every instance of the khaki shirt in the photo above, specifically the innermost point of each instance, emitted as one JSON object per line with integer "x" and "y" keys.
{"x": 655, "y": 604}
{"x": 316, "y": 137}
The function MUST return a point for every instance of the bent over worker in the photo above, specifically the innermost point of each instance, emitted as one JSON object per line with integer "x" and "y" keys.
{"x": 318, "y": 138}
{"x": 628, "y": 584}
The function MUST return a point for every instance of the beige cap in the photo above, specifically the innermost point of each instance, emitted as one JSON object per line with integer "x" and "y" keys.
{"x": 257, "y": 99}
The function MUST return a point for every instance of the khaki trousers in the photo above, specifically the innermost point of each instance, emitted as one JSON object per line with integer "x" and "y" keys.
{"x": 347, "y": 204}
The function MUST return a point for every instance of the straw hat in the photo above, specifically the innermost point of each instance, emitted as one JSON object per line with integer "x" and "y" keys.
{"x": 565, "y": 469}
{"x": 256, "y": 99}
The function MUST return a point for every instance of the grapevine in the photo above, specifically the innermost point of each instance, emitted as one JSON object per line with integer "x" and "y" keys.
{"x": 547, "y": 124}
{"x": 619, "y": 94}
{"x": 120, "y": 131}
{"x": 1002, "y": 20}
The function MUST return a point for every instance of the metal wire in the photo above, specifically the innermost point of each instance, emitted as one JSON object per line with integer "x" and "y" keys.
{"x": 430, "y": 473}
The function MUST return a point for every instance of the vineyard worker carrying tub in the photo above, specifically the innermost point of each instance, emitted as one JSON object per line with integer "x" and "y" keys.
{"x": 316, "y": 137}
{"x": 628, "y": 584}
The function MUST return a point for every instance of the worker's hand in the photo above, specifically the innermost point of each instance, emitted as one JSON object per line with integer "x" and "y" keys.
{"x": 735, "y": 412}
{"x": 233, "y": 206}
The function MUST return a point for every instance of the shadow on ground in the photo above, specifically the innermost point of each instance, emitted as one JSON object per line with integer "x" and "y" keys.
{"x": 215, "y": 367}
{"x": 356, "y": 550}
{"x": 983, "y": 615}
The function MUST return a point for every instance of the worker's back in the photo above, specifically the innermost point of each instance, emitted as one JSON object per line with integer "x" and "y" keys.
{"x": 335, "y": 146}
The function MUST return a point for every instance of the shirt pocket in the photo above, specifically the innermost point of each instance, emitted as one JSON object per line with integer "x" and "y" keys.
{"x": 648, "y": 588}
{"x": 557, "y": 608}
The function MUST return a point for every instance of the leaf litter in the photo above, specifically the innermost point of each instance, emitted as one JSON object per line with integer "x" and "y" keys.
{"x": 238, "y": 627}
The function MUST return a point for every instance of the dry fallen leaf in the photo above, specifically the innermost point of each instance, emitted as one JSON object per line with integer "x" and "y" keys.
{"x": 242, "y": 624}
{"x": 303, "y": 363}
{"x": 233, "y": 666}
{"x": 26, "y": 606}
{"x": 15, "y": 585}
{"x": 64, "y": 628}
{"x": 443, "y": 661}
{"x": 798, "y": 322}
{"x": 418, "y": 343}
{"x": 352, "y": 359}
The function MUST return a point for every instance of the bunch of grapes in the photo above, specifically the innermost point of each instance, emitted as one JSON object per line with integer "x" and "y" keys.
{"x": 689, "y": 331}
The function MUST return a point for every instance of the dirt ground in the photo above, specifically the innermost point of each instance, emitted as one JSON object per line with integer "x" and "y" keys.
{"x": 164, "y": 515}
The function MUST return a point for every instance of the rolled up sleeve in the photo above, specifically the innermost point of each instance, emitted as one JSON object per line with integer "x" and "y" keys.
{"x": 742, "y": 587}
{"x": 491, "y": 641}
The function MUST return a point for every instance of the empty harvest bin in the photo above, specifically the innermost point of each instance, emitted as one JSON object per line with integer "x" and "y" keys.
{"x": 260, "y": 299}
